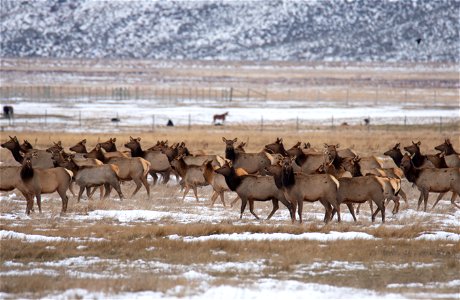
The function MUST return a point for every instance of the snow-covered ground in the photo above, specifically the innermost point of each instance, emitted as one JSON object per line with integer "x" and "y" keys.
{"x": 82, "y": 116}
{"x": 171, "y": 211}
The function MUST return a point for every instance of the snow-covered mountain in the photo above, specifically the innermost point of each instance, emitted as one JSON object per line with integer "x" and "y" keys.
{"x": 328, "y": 30}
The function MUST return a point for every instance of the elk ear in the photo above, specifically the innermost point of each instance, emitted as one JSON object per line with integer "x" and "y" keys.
{"x": 138, "y": 139}
{"x": 83, "y": 142}
{"x": 224, "y": 139}
{"x": 337, "y": 146}
{"x": 235, "y": 139}
{"x": 98, "y": 146}
{"x": 113, "y": 140}
{"x": 397, "y": 146}
{"x": 131, "y": 138}
{"x": 326, "y": 145}
{"x": 307, "y": 145}
{"x": 419, "y": 143}
{"x": 447, "y": 141}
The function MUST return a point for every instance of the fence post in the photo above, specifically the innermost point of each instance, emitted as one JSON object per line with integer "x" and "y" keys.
{"x": 297, "y": 123}
{"x": 46, "y": 116}
{"x": 189, "y": 121}
{"x": 79, "y": 118}
{"x": 332, "y": 122}
{"x": 231, "y": 94}
{"x": 153, "y": 122}
{"x": 440, "y": 124}
{"x": 348, "y": 95}
{"x": 262, "y": 123}
{"x": 405, "y": 121}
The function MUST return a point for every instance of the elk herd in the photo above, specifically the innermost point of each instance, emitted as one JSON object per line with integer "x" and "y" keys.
{"x": 332, "y": 176}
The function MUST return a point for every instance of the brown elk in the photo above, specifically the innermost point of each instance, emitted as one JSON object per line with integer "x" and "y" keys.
{"x": 41, "y": 159}
{"x": 45, "y": 181}
{"x": 57, "y": 147}
{"x": 159, "y": 162}
{"x": 251, "y": 162}
{"x": 276, "y": 147}
{"x": 10, "y": 179}
{"x": 217, "y": 181}
{"x": 130, "y": 168}
{"x": 199, "y": 159}
{"x": 192, "y": 176}
{"x": 111, "y": 149}
{"x": 451, "y": 157}
{"x": 252, "y": 188}
{"x": 424, "y": 161}
{"x": 432, "y": 180}
{"x": 298, "y": 187}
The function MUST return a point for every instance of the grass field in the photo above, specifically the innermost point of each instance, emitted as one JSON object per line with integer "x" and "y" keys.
{"x": 165, "y": 248}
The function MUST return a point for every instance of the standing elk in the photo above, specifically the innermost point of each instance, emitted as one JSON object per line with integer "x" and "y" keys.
{"x": 217, "y": 181}
{"x": 251, "y": 162}
{"x": 424, "y": 161}
{"x": 451, "y": 157}
{"x": 192, "y": 176}
{"x": 432, "y": 180}
{"x": 220, "y": 117}
{"x": 252, "y": 188}
{"x": 41, "y": 158}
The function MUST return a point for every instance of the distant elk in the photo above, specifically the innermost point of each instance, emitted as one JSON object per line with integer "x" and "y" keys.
{"x": 220, "y": 117}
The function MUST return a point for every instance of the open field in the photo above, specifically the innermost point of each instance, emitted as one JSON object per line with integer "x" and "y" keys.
{"x": 165, "y": 248}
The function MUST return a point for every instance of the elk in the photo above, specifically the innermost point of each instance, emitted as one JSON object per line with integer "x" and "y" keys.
{"x": 251, "y": 162}
{"x": 276, "y": 147}
{"x": 392, "y": 185}
{"x": 10, "y": 179}
{"x": 424, "y": 161}
{"x": 192, "y": 176}
{"x": 252, "y": 188}
{"x": 298, "y": 187}
{"x": 159, "y": 162}
{"x": 45, "y": 181}
{"x": 111, "y": 149}
{"x": 217, "y": 181}
{"x": 130, "y": 168}
{"x": 42, "y": 159}
{"x": 451, "y": 157}
{"x": 200, "y": 159}
{"x": 57, "y": 147}
{"x": 431, "y": 180}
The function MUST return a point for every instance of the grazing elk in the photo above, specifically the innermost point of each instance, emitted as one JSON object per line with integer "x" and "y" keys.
{"x": 252, "y": 188}
{"x": 251, "y": 162}
{"x": 159, "y": 162}
{"x": 298, "y": 187}
{"x": 451, "y": 157}
{"x": 432, "y": 180}
{"x": 41, "y": 159}
{"x": 45, "y": 181}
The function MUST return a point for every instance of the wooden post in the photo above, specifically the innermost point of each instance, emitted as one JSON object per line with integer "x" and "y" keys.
{"x": 189, "y": 121}
{"x": 262, "y": 123}
{"x": 153, "y": 122}
{"x": 297, "y": 123}
{"x": 231, "y": 94}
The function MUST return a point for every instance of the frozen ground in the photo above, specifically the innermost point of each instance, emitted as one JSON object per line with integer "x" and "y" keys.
{"x": 265, "y": 282}
{"x": 82, "y": 116}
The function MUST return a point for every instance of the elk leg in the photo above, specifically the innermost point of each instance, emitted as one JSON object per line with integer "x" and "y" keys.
{"x": 276, "y": 206}
{"x": 29, "y": 203}
{"x": 195, "y": 192}
{"x": 357, "y": 209}
{"x": 64, "y": 199}
{"x": 251, "y": 208}
{"x": 352, "y": 210}
{"x": 71, "y": 188}
{"x": 425, "y": 199}
{"x": 165, "y": 175}
{"x": 235, "y": 200}
{"x": 154, "y": 177}
{"x": 371, "y": 205}
{"x": 117, "y": 188}
{"x": 213, "y": 198}
{"x": 138, "y": 186}
{"x": 186, "y": 192}
{"x": 243, "y": 206}
{"x": 437, "y": 200}
{"x": 404, "y": 196}
{"x": 452, "y": 200}
{"x": 420, "y": 199}
{"x": 300, "y": 204}
{"x": 80, "y": 192}
{"x": 146, "y": 185}
{"x": 222, "y": 198}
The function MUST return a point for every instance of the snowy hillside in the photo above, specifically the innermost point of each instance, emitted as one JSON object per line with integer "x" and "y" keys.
{"x": 361, "y": 30}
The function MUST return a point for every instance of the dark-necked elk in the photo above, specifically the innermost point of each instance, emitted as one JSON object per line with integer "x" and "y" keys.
{"x": 391, "y": 180}
{"x": 217, "y": 181}
{"x": 251, "y": 162}
{"x": 298, "y": 187}
{"x": 424, "y": 161}
{"x": 40, "y": 158}
{"x": 159, "y": 162}
{"x": 192, "y": 176}
{"x": 432, "y": 180}
{"x": 252, "y": 188}
{"x": 45, "y": 181}
{"x": 276, "y": 147}
{"x": 10, "y": 179}
{"x": 111, "y": 149}
{"x": 130, "y": 168}
{"x": 451, "y": 157}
